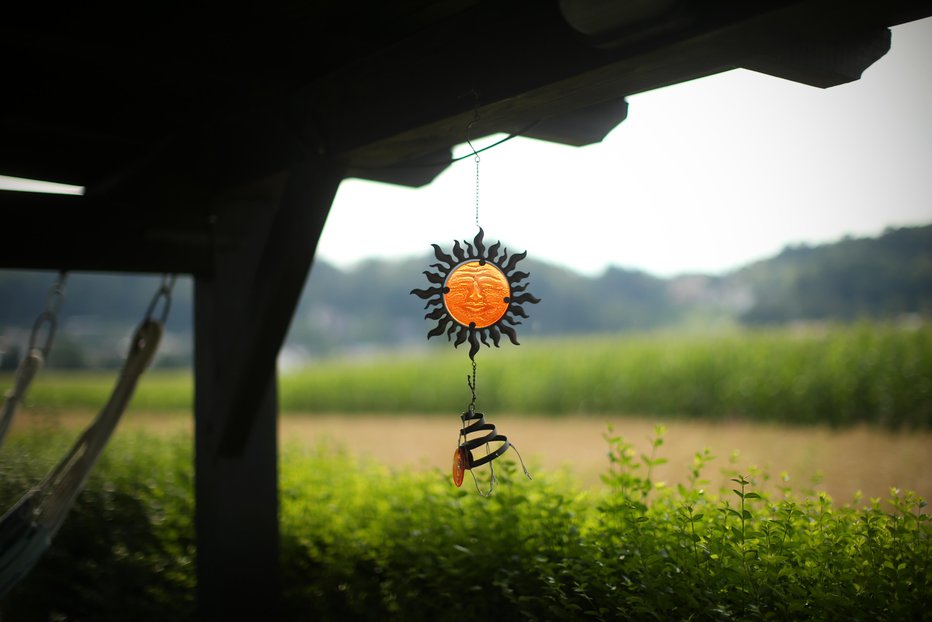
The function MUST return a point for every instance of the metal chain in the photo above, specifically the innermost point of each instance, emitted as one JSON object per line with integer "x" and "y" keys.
{"x": 472, "y": 388}
{"x": 49, "y": 317}
{"x": 164, "y": 293}
{"x": 477, "y": 189}
{"x": 476, "y": 158}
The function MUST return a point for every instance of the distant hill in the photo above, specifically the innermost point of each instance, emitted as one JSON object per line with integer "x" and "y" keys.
{"x": 880, "y": 277}
{"x": 97, "y": 315}
{"x": 369, "y": 306}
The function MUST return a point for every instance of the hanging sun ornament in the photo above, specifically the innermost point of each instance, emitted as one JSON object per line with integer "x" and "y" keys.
{"x": 477, "y": 295}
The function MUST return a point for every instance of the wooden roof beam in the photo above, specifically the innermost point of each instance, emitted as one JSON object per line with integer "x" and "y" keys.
{"x": 824, "y": 63}
{"x": 373, "y": 126}
{"x": 62, "y": 232}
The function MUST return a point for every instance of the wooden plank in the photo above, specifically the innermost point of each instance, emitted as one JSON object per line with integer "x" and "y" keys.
{"x": 517, "y": 91}
{"x": 62, "y": 232}
{"x": 825, "y": 63}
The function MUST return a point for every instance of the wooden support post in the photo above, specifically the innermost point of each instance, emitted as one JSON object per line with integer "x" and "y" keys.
{"x": 242, "y": 312}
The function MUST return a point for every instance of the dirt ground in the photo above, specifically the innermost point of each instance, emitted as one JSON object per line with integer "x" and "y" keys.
{"x": 850, "y": 460}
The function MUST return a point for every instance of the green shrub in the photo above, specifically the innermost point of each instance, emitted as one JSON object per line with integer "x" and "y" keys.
{"x": 126, "y": 550}
{"x": 364, "y": 542}
{"x": 410, "y": 547}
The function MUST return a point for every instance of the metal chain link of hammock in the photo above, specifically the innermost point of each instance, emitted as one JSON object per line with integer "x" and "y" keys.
{"x": 27, "y": 529}
{"x": 35, "y": 354}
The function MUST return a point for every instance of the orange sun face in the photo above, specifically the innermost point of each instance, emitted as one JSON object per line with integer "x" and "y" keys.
{"x": 477, "y": 294}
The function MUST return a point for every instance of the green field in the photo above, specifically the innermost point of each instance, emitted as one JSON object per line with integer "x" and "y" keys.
{"x": 840, "y": 375}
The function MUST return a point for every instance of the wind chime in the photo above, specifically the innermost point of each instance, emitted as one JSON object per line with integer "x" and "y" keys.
{"x": 477, "y": 294}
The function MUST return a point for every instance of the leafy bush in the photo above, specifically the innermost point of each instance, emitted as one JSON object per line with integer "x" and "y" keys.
{"x": 409, "y": 547}
{"x": 126, "y": 550}
{"x": 360, "y": 541}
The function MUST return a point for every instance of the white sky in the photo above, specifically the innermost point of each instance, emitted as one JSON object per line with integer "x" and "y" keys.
{"x": 703, "y": 176}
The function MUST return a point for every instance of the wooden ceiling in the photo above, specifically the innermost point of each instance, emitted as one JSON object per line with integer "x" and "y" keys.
{"x": 161, "y": 106}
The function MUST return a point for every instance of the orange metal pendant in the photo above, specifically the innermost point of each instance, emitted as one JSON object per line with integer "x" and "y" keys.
{"x": 460, "y": 464}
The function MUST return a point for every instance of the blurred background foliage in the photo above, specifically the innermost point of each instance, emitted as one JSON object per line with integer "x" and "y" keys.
{"x": 368, "y": 308}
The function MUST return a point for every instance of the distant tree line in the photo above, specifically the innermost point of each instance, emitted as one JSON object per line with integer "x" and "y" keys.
{"x": 852, "y": 279}
{"x": 369, "y": 306}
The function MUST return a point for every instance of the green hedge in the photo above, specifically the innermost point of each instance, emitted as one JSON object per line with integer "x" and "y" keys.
{"x": 362, "y": 542}
{"x": 126, "y": 550}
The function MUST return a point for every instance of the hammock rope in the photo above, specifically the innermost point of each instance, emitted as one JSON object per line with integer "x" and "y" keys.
{"x": 27, "y": 529}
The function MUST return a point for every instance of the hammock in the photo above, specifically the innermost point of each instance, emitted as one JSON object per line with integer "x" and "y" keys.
{"x": 27, "y": 529}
